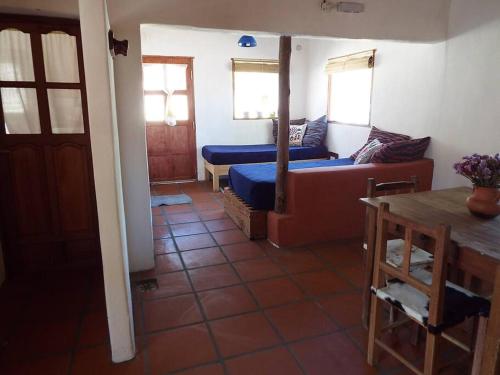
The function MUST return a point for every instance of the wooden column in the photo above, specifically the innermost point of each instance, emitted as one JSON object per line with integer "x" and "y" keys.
{"x": 283, "y": 123}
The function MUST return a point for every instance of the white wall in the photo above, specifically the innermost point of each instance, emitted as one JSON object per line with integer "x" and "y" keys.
{"x": 446, "y": 90}
{"x": 107, "y": 176}
{"x": 470, "y": 117}
{"x": 212, "y": 52}
{"x": 407, "y": 89}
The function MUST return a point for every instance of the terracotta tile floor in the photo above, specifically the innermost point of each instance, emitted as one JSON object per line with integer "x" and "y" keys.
{"x": 225, "y": 305}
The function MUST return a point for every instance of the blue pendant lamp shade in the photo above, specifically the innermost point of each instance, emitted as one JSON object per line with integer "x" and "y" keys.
{"x": 247, "y": 41}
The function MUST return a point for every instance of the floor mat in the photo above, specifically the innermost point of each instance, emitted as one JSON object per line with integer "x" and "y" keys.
{"x": 170, "y": 200}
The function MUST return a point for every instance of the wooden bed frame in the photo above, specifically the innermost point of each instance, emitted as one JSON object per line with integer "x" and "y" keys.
{"x": 251, "y": 221}
{"x": 216, "y": 171}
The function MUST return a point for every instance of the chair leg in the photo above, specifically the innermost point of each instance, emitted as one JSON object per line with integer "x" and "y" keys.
{"x": 431, "y": 354}
{"x": 479, "y": 346}
{"x": 374, "y": 330}
{"x": 215, "y": 182}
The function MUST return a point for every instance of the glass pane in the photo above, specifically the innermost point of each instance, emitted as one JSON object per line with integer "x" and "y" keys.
{"x": 65, "y": 111}
{"x": 153, "y": 76}
{"x": 350, "y": 96}
{"x": 154, "y": 107}
{"x": 255, "y": 95}
{"x": 167, "y": 77}
{"x": 20, "y": 110}
{"x": 60, "y": 57}
{"x": 178, "y": 108}
{"x": 16, "y": 61}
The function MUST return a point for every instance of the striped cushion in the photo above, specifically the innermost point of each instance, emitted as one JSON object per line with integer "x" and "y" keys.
{"x": 402, "y": 151}
{"x": 299, "y": 121}
{"x": 383, "y": 137}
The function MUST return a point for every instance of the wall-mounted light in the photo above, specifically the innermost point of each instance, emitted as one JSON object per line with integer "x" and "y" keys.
{"x": 117, "y": 47}
{"x": 247, "y": 41}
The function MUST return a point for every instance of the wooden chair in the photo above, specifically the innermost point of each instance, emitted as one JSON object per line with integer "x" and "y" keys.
{"x": 424, "y": 297}
{"x": 420, "y": 257}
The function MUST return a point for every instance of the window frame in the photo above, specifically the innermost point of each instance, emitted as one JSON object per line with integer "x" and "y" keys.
{"x": 189, "y": 91}
{"x": 36, "y": 26}
{"x": 329, "y": 92}
{"x": 233, "y": 71}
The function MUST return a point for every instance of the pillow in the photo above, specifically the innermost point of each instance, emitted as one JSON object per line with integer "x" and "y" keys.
{"x": 366, "y": 152}
{"x": 401, "y": 151}
{"x": 316, "y": 132}
{"x": 296, "y": 134}
{"x": 383, "y": 137}
{"x": 299, "y": 121}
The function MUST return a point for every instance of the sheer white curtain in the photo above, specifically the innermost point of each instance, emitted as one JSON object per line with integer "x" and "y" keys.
{"x": 20, "y": 105}
{"x": 60, "y": 57}
{"x": 61, "y": 65}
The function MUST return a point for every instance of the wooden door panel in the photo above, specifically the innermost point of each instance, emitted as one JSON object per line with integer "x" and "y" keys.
{"x": 156, "y": 139}
{"x": 29, "y": 186}
{"x": 72, "y": 184}
{"x": 172, "y": 149}
{"x": 159, "y": 167}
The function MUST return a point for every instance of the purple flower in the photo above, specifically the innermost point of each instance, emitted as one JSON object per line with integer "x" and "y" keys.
{"x": 482, "y": 170}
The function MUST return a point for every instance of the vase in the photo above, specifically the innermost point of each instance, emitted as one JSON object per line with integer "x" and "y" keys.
{"x": 484, "y": 202}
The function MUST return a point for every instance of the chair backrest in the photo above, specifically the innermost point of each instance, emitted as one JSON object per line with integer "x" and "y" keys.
{"x": 389, "y": 188}
{"x": 441, "y": 236}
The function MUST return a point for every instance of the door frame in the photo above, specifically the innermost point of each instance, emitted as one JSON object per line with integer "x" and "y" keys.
{"x": 188, "y": 60}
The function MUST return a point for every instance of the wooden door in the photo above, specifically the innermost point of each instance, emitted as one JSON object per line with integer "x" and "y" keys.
{"x": 169, "y": 98}
{"x": 47, "y": 199}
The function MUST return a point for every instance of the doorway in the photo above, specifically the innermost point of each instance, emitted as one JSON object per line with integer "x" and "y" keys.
{"x": 47, "y": 199}
{"x": 170, "y": 120}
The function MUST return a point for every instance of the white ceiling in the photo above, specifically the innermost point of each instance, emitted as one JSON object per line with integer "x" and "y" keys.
{"x": 422, "y": 20}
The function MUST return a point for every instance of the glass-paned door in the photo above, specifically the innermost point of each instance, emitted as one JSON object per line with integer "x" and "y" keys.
{"x": 169, "y": 116}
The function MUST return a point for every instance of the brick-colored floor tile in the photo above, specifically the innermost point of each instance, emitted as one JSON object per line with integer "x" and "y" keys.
{"x": 233, "y": 300}
{"x": 213, "y": 277}
{"x": 196, "y": 241}
{"x": 214, "y": 369}
{"x": 321, "y": 282}
{"x": 187, "y": 217}
{"x": 160, "y": 231}
{"x": 168, "y": 263}
{"x": 275, "y": 292}
{"x": 243, "y": 251}
{"x": 203, "y": 257}
{"x": 213, "y": 214}
{"x": 229, "y": 237}
{"x": 244, "y": 333}
{"x": 180, "y": 349}
{"x": 171, "y": 312}
{"x": 331, "y": 354}
{"x": 97, "y": 360}
{"x": 276, "y": 361}
{"x": 94, "y": 330}
{"x": 299, "y": 261}
{"x": 344, "y": 308}
{"x": 164, "y": 246}
{"x": 256, "y": 269}
{"x": 187, "y": 229}
{"x": 169, "y": 284}
{"x": 300, "y": 320}
{"x": 220, "y": 225}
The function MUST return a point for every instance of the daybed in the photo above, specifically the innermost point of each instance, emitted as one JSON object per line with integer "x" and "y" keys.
{"x": 218, "y": 159}
{"x": 322, "y": 201}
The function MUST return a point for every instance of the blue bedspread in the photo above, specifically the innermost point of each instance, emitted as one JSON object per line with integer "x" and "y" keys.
{"x": 243, "y": 154}
{"x": 255, "y": 184}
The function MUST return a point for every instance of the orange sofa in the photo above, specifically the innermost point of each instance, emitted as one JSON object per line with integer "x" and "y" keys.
{"x": 323, "y": 203}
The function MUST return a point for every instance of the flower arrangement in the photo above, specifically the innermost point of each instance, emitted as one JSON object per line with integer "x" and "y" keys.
{"x": 482, "y": 170}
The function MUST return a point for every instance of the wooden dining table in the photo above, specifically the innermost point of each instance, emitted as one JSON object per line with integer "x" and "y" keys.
{"x": 475, "y": 242}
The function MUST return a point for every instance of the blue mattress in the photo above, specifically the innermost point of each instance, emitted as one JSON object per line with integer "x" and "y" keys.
{"x": 255, "y": 184}
{"x": 244, "y": 154}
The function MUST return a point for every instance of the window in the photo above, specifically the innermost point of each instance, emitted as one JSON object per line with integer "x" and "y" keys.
{"x": 350, "y": 88}
{"x": 255, "y": 89}
{"x": 167, "y": 88}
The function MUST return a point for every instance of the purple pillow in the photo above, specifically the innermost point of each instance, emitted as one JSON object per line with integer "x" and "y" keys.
{"x": 383, "y": 137}
{"x": 401, "y": 151}
{"x": 299, "y": 121}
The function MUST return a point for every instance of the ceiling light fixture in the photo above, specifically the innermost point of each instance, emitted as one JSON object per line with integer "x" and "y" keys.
{"x": 247, "y": 41}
